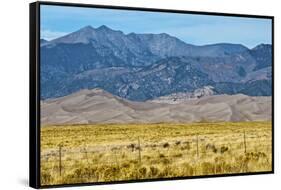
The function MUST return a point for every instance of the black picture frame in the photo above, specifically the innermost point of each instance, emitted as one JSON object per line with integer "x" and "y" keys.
{"x": 34, "y": 93}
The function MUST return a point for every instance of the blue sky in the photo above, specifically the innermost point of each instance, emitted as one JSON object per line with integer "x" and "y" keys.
{"x": 57, "y": 21}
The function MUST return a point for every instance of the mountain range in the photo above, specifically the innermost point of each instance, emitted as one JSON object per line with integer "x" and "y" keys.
{"x": 141, "y": 67}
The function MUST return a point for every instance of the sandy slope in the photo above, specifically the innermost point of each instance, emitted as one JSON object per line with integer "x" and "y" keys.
{"x": 98, "y": 106}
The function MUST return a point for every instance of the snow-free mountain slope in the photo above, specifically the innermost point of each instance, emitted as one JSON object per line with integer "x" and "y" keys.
{"x": 146, "y": 66}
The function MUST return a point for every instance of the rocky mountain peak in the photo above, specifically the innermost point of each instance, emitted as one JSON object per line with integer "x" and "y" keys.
{"x": 150, "y": 65}
{"x": 262, "y": 46}
{"x": 87, "y": 28}
{"x": 104, "y": 28}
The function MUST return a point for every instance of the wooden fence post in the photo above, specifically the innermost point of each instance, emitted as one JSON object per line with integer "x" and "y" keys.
{"x": 86, "y": 154}
{"x": 60, "y": 165}
{"x": 139, "y": 150}
{"x": 117, "y": 165}
{"x": 116, "y": 159}
{"x": 245, "y": 143}
{"x": 197, "y": 144}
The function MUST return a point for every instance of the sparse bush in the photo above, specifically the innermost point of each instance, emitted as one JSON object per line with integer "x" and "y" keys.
{"x": 186, "y": 146}
{"x": 132, "y": 147}
{"x": 166, "y": 145}
{"x": 167, "y": 171}
{"x": 223, "y": 149}
{"x": 153, "y": 171}
{"x": 46, "y": 178}
{"x": 125, "y": 165}
{"x": 178, "y": 155}
{"x": 211, "y": 147}
{"x": 114, "y": 148}
{"x": 161, "y": 155}
{"x": 142, "y": 172}
{"x": 165, "y": 161}
{"x": 146, "y": 157}
{"x": 138, "y": 148}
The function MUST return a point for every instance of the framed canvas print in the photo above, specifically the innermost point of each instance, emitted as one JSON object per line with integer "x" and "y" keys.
{"x": 123, "y": 94}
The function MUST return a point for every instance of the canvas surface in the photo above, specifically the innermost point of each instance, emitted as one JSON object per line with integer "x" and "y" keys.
{"x": 133, "y": 95}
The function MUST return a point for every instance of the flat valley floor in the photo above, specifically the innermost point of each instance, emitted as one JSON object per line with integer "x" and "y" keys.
{"x": 115, "y": 152}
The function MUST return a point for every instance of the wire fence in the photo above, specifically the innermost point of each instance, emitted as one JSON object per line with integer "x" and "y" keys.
{"x": 138, "y": 151}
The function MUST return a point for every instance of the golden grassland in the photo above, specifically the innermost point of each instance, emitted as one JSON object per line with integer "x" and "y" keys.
{"x": 115, "y": 152}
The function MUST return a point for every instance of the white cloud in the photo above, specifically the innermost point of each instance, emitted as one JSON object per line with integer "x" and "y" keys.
{"x": 50, "y": 35}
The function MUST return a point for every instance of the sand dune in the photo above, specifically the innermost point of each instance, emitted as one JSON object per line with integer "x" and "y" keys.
{"x": 98, "y": 106}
